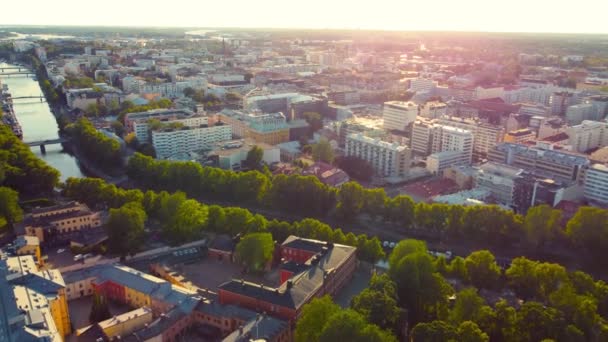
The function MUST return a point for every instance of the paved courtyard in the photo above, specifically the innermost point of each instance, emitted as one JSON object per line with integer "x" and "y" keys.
{"x": 209, "y": 273}
{"x": 81, "y": 308}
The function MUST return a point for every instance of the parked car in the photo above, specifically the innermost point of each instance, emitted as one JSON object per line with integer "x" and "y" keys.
{"x": 78, "y": 257}
{"x": 60, "y": 250}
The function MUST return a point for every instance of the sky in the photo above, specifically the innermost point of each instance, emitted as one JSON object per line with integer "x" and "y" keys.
{"x": 559, "y": 16}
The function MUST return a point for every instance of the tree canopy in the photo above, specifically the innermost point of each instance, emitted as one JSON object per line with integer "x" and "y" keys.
{"x": 255, "y": 250}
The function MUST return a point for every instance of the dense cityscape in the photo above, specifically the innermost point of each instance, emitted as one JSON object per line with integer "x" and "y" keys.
{"x": 168, "y": 184}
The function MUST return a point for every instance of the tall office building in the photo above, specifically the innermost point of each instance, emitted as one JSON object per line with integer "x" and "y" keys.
{"x": 398, "y": 115}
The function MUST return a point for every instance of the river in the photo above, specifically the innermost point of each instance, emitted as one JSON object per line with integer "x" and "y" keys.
{"x": 38, "y": 123}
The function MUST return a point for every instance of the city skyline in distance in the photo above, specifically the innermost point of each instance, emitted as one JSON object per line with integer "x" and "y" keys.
{"x": 517, "y": 16}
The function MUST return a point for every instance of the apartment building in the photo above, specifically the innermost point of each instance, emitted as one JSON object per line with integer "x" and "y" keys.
{"x": 173, "y": 89}
{"x": 438, "y": 163}
{"x": 60, "y": 221}
{"x": 486, "y": 135}
{"x": 388, "y": 160}
{"x": 576, "y": 114}
{"x": 454, "y": 139}
{"x": 422, "y": 84}
{"x": 142, "y": 118}
{"x": 557, "y": 165}
{"x": 587, "y": 135}
{"x": 182, "y": 117}
{"x": 268, "y": 128}
{"x": 596, "y": 183}
{"x": 171, "y": 142}
{"x": 423, "y": 134}
{"x": 33, "y": 304}
{"x": 398, "y": 115}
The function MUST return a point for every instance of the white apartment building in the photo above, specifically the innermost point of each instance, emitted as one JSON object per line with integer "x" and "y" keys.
{"x": 388, "y": 160}
{"x": 587, "y": 135}
{"x": 438, "y": 162}
{"x": 454, "y": 139}
{"x": 170, "y": 142}
{"x": 486, "y": 135}
{"x": 423, "y": 134}
{"x": 398, "y": 115}
{"x": 596, "y": 183}
{"x": 422, "y": 84}
{"x": 488, "y": 92}
{"x": 174, "y": 89}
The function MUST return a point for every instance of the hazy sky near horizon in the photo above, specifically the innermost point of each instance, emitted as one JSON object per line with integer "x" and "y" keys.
{"x": 581, "y": 16}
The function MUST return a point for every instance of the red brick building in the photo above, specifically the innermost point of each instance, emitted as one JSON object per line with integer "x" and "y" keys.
{"x": 311, "y": 269}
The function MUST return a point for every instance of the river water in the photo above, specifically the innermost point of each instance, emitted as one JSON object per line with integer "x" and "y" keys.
{"x": 38, "y": 123}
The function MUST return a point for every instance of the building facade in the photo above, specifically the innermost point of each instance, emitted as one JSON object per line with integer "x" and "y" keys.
{"x": 387, "y": 160}
{"x": 398, "y": 115}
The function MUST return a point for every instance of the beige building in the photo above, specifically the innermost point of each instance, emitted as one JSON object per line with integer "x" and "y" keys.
{"x": 53, "y": 222}
{"x": 268, "y": 128}
{"x": 520, "y": 136}
{"x": 588, "y": 135}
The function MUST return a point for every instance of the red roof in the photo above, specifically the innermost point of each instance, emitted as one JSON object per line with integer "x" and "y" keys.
{"x": 431, "y": 188}
{"x": 327, "y": 174}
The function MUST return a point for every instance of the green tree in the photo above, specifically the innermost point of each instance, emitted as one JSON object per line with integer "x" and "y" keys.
{"x": 314, "y": 120}
{"x": 541, "y": 224}
{"x": 254, "y": 158}
{"x": 322, "y": 151}
{"x": 187, "y": 221}
{"x": 467, "y": 307}
{"x": 405, "y": 248}
{"x": 482, "y": 270}
{"x": 588, "y": 229}
{"x": 125, "y": 228}
{"x": 255, "y": 250}
{"x": 313, "y": 319}
{"x": 348, "y": 325}
{"x": 9, "y": 207}
{"x": 22, "y": 170}
{"x": 420, "y": 290}
{"x": 99, "y": 310}
{"x": 118, "y": 128}
{"x": 351, "y": 198}
{"x": 536, "y": 322}
{"x": 469, "y": 332}
{"x": 435, "y": 331}
{"x": 400, "y": 210}
{"x": 378, "y": 303}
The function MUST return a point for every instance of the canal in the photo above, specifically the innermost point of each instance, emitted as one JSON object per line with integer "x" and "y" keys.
{"x": 38, "y": 123}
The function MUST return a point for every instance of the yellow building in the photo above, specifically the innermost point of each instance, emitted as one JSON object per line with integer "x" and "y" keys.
{"x": 60, "y": 219}
{"x": 126, "y": 323}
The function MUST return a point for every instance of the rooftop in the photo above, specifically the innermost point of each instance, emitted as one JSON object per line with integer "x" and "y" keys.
{"x": 301, "y": 286}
